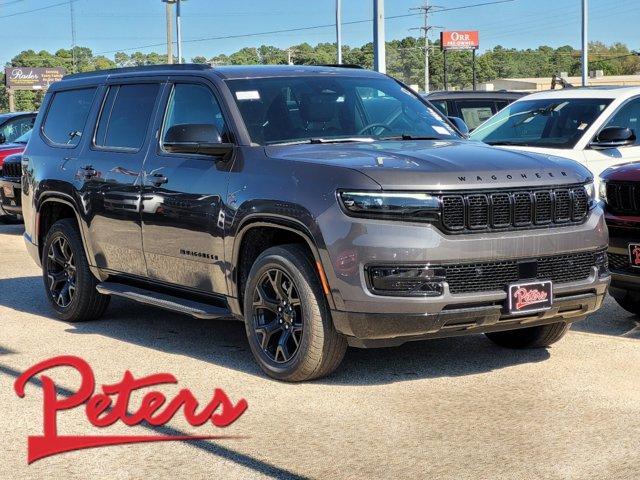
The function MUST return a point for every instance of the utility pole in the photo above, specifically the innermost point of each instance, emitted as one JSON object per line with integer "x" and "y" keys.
{"x": 379, "y": 47}
{"x": 339, "y": 32}
{"x": 178, "y": 30}
{"x": 585, "y": 44}
{"x": 425, "y": 9}
{"x": 169, "y": 9}
{"x": 290, "y": 53}
{"x": 73, "y": 35}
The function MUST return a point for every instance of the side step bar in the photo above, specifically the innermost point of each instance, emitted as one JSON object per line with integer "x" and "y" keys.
{"x": 162, "y": 300}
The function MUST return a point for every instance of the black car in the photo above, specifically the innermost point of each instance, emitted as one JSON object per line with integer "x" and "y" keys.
{"x": 15, "y": 124}
{"x": 321, "y": 206}
{"x": 10, "y": 187}
{"x": 474, "y": 107}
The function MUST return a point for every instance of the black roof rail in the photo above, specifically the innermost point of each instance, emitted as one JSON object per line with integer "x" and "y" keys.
{"x": 144, "y": 68}
{"x": 342, "y": 65}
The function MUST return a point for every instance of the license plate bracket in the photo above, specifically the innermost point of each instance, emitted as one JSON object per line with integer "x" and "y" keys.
{"x": 528, "y": 297}
{"x": 634, "y": 255}
{"x": 8, "y": 191}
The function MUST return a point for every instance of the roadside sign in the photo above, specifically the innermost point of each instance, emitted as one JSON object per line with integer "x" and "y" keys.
{"x": 28, "y": 78}
{"x": 460, "y": 40}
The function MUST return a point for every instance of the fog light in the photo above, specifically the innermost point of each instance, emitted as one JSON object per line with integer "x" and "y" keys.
{"x": 418, "y": 281}
{"x": 602, "y": 262}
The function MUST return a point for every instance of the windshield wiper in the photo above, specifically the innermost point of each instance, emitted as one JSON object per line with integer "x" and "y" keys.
{"x": 406, "y": 136}
{"x": 326, "y": 140}
{"x": 507, "y": 142}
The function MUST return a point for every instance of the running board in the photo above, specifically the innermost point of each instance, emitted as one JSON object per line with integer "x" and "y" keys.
{"x": 162, "y": 300}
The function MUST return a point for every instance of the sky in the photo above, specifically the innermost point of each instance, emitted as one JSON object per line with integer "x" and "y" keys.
{"x": 107, "y": 26}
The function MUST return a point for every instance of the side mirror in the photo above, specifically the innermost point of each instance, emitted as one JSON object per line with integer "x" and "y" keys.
{"x": 613, "y": 137}
{"x": 460, "y": 125}
{"x": 204, "y": 139}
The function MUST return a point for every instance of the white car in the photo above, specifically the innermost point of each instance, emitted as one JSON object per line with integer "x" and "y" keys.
{"x": 598, "y": 127}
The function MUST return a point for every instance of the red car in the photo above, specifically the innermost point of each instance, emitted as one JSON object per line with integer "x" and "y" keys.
{"x": 620, "y": 190}
{"x": 8, "y": 199}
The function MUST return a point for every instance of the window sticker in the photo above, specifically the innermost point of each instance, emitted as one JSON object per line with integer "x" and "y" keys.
{"x": 582, "y": 126}
{"x": 248, "y": 95}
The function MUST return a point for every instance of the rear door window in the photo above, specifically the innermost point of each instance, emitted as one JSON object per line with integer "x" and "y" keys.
{"x": 67, "y": 116}
{"x": 125, "y": 116}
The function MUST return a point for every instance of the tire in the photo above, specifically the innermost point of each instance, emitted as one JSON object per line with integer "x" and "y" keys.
{"x": 313, "y": 347}
{"x": 530, "y": 337}
{"x": 629, "y": 304}
{"x": 81, "y": 302}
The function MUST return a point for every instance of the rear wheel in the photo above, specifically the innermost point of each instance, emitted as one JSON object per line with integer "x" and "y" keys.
{"x": 287, "y": 319}
{"x": 70, "y": 285}
{"x": 531, "y": 337}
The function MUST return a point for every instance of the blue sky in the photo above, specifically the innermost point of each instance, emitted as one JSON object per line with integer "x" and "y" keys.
{"x": 109, "y": 25}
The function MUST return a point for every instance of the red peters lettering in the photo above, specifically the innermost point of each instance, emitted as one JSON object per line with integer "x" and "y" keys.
{"x": 525, "y": 297}
{"x": 112, "y": 405}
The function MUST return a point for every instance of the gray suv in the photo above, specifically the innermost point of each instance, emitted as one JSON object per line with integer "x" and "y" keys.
{"x": 322, "y": 206}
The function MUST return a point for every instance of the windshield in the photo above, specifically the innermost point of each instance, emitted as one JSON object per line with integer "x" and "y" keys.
{"x": 24, "y": 138}
{"x": 551, "y": 122}
{"x": 333, "y": 108}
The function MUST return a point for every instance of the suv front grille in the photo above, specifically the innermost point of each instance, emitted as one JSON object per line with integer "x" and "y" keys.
{"x": 11, "y": 170}
{"x": 623, "y": 197}
{"x": 490, "y": 276}
{"x": 487, "y": 211}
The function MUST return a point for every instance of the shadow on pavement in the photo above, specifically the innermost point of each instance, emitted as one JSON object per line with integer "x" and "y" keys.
{"x": 610, "y": 320}
{"x": 11, "y": 228}
{"x": 224, "y": 343}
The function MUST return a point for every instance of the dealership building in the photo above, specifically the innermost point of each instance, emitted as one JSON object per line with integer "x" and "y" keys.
{"x": 544, "y": 83}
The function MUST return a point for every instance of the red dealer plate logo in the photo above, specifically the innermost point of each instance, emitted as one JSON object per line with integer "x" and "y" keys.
{"x": 634, "y": 255}
{"x": 530, "y": 297}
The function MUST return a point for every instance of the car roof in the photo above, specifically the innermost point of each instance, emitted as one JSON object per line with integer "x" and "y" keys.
{"x": 466, "y": 94}
{"x": 225, "y": 72}
{"x": 6, "y": 116}
{"x": 587, "y": 92}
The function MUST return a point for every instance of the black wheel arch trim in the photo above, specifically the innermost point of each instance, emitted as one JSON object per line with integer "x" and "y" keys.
{"x": 274, "y": 221}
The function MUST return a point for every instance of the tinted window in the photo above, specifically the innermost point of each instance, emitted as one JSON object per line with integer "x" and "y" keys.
{"x": 67, "y": 115}
{"x": 440, "y": 105}
{"x": 305, "y": 108}
{"x": 194, "y": 104}
{"x": 550, "y": 122}
{"x": 15, "y": 128}
{"x": 125, "y": 115}
{"x": 628, "y": 116}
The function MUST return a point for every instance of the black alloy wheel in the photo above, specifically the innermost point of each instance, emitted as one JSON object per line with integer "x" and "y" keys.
{"x": 61, "y": 272}
{"x": 277, "y": 315}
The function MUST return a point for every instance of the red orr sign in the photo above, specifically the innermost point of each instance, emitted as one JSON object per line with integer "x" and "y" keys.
{"x": 460, "y": 40}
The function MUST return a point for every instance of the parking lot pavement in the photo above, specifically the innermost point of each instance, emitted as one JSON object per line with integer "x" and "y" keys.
{"x": 451, "y": 408}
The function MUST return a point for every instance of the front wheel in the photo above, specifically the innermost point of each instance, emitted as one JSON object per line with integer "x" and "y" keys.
{"x": 287, "y": 319}
{"x": 530, "y": 337}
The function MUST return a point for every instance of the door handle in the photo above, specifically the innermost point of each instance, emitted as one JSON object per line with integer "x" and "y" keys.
{"x": 158, "y": 179}
{"x": 87, "y": 172}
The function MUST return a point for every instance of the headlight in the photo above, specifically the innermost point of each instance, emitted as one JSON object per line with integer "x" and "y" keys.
{"x": 602, "y": 190}
{"x": 420, "y": 207}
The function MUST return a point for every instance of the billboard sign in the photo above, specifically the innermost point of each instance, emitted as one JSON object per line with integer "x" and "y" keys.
{"x": 28, "y": 78}
{"x": 460, "y": 40}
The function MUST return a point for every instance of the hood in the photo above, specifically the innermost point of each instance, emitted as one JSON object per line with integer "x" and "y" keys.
{"x": 625, "y": 172}
{"x": 10, "y": 149}
{"x": 439, "y": 164}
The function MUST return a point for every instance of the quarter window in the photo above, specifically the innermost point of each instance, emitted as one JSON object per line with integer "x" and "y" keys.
{"x": 629, "y": 117}
{"x": 67, "y": 115}
{"x": 193, "y": 104}
{"x": 125, "y": 116}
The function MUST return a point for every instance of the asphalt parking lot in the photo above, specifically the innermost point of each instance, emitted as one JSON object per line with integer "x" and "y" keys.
{"x": 448, "y": 409}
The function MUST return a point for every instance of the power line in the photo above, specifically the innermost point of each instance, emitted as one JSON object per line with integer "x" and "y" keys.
{"x": 300, "y": 29}
{"x": 37, "y": 9}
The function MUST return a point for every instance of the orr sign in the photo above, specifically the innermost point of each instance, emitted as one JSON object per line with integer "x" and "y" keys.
{"x": 460, "y": 40}
{"x": 28, "y": 78}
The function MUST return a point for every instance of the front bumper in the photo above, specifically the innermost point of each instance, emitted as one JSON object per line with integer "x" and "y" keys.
{"x": 10, "y": 204}
{"x": 572, "y": 301}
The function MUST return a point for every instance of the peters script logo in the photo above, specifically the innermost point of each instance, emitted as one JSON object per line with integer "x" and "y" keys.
{"x": 111, "y": 405}
{"x": 636, "y": 255}
{"x": 525, "y": 297}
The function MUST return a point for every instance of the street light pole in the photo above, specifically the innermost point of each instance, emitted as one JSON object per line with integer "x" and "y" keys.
{"x": 178, "y": 30}
{"x": 169, "y": 32}
{"x": 339, "y": 32}
{"x": 585, "y": 44}
{"x": 379, "y": 62}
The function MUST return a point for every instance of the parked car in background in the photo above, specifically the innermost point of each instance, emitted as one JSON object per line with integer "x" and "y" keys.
{"x": 620, "y": 191}
{"x": 17, "y": 146}
{"x": 597, "y": 127}
{"x": 10, "y": 187}
{"x": 14, "y": 125}
{"x": 474, "y": 107}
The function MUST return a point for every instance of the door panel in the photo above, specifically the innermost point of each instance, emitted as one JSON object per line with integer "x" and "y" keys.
{"x": 110, "y": 171}
{"x": 182, "y": 219}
